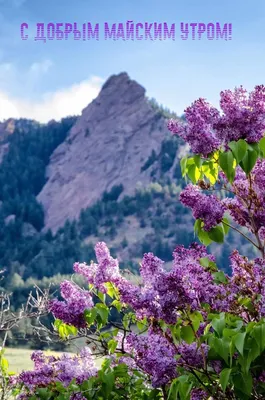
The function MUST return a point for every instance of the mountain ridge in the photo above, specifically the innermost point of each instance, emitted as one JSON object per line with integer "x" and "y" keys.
{"x": 107, "y": 146}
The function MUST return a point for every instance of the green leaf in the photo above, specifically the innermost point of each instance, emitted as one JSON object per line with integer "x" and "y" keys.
{"x": 202, "y": 235}
{"x": 229, "y": 332}
{"x": 112, "y": 344}
{"x": 197, "y": 226}
{"x": 65, "y": 330}
{"x": 246, "y": 302}
{"x": 258, "y": 333}
{"x": 218, "y": 324}
{"x": 210, "y": 170}
{"x": 180, "y": 388}
{"x": 103, "y": 312}
{"x": 90, "y": 315}
{"x": 221, "y": 346}
{"x": 239, "y": 341}
{"x": 239, "y": 149}
{"x": 173, "y": 391}
{"x": 262, "y": 146}
{"x": 250, "y": 326}
{"x": 226, "y": 162}
{"x": 204, "y": 261}
{"x": 141, "y": 324}
{"x": 216, "y": 234}
{"x": 43, "y": 393}
{"x": 243, "y": 383}
{"x": 204, "y": 238}
{"x": 225, "y": 227}
{"x": 108, "y": 379}
{"x": 193, "y": 173}
{"x": 197, "y": 160}
{"x": 183, "y": 163}
{"x": 196, "y": 319}
{"x": 208, "y": 264}
{"x": 219, "y": 277}
{"x": 224, "y": 377}
{"x": 187, "y": 334}
{"x": 4, "y": 364}
{"x": 61, "y": 397}
{"x": 105, "y": 364}
{"x": 111, "y": 290}
{"x": 127, "y": 319}
{"x": 101, "y": 296}
{"x": 249, "y": 160}
{"x": 117, "y": 304}
{"x": 253, "y": 353}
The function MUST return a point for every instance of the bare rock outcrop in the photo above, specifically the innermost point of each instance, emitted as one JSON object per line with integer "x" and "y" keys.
{"x": 107, "y": 146}
{"x": 6, "y": 128}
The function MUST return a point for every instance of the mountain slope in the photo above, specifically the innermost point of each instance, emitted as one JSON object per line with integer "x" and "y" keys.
{"x": 107, "y": 146}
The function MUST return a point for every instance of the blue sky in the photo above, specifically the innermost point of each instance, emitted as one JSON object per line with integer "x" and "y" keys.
{"x": 50, "y": 80}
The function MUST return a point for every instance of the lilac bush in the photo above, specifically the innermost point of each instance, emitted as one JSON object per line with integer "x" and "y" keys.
{"x": 191, "y": 332}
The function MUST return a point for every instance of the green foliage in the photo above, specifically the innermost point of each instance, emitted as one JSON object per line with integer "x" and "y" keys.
{"x": 113, "y": 194}
{"x": 226, "y": 162}
{"x": 150, "y": 161}
{"x": 64, "y": 330}
{"x": 163, "y": 111}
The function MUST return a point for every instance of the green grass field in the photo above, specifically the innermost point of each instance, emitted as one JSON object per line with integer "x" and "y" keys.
{"x": 19, "y": 359}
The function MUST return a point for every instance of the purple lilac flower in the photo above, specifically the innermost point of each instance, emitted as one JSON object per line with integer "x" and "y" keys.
{"x": 77, "y": 396}
{"x": 164, "y": 293}
{"x": 191, "y": 354}
{"x": 262, "y": 377}
{"x": 243, "y": 117}
{"x": 155, "y": 355}
{"x": 106, "y": 270}
{"x": 63, "y": 369}
{"x": 248, "y": 205}
{"x": 248, "y": 278}
{"x": 198, "y": 132}
{"x": 199, "y": 394}
{"x": 150, "y": 267}
{"x": 207, "y": 208}
{"x": 71, "y": 311}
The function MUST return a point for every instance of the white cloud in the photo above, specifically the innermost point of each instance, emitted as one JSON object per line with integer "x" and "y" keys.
{"x": 39, "y": 68}
{"x": 55, "y": 105}
{"x": 13, "y": 77}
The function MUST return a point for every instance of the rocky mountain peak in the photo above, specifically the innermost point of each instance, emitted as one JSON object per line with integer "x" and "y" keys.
{"x": 107, "y": 146}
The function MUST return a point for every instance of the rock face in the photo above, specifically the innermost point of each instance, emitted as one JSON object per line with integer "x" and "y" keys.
{"x": 6, "y": 128}
{"x": 107, "y": 146}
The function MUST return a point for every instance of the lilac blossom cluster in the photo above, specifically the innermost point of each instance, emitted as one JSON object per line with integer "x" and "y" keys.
{"x": 76, "y": 301}
{"x": 199, "y": 394}
{"x": 155, "y": 355}
{"x": 198, "y": 132}
{"x": 247, "y": 207}
{"x": 242, "y": 117}
{"x": 50, "y": 369}
{"x": 248, "y": 278}
{"x": 163, "y": 295}
{"x": 207, "y": 208}
{"x": 106, "y": 270}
